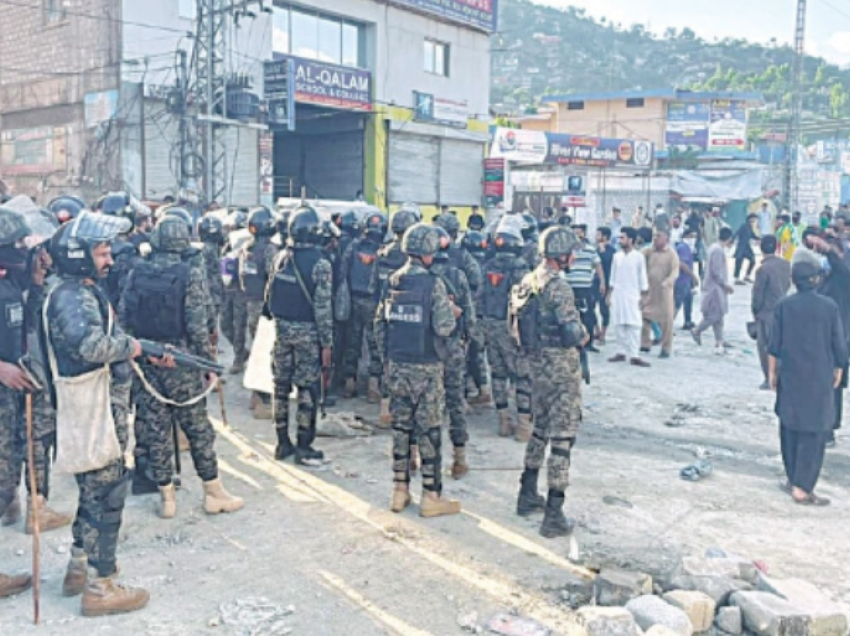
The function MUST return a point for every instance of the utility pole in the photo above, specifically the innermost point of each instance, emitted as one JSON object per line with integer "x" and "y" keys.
{"x": 792, "y": 143}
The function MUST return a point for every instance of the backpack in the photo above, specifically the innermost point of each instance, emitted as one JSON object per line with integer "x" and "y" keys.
{"x": 525, "y": 315}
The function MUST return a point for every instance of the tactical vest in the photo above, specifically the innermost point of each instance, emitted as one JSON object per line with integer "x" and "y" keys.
{"x": 451, "y": 278}
{"x": 363, "y": 261}
{"x": 11, "y": 322}
{"x": 536, "y": 328}
{"x": 124, "y": 255}
{"x": 456, "y": 256}
{"x": 155, "y": 300}
{"x": 496, "y": 295}
{"x": 410, "y": 334}
{"x": 253, "y": 272}
{"x": 288, "y": 300}
{"x": 390, "y": 259}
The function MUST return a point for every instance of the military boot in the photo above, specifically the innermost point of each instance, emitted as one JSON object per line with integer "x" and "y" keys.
{"x": 433, "y": 505}
{"x": 374, "y": 393}
{"x": 105, "y": 597}
{"x": 529, "y": 501}
{"x": 555, "y": 523}
{"x": 386, "y": 416}
{"x": 506, "y": 423}
{"x": 284, "y": 448}
{"x": 262, "y": 407}
{"x": 305, "y": 454}
{"x": 142, "y": 482}
{"x": 168, "y": 502}
{"x": 484, "y": 398}
{"x": 76, "y": 576}
{"x": 12, "y": 514}
{"x": 10, "y": 585}
{"x": 218, "y": 500}
{"x": 350, "y": 389}
{"x": 459, "y": 465}
{"x": 401, "y": 498}
{"x": 525, "y": 428}
{"x": 47, "y": 519}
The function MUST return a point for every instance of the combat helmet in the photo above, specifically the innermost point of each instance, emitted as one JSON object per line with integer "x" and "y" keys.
{"x": 475, "y": 243}
{"x": 211, "y": 230}
{"x": 13, "y": 228}
{"x": 182, "y": 214}
{"x": 71, "y": 247}
{"x": 348, "y": 223}
{"x": 261, "y": 222}
{"x": 406, "y": 216}
{"x": 450, "y": 223}
{"x": 305, "y": 227}
{"x": 66, "y": 208}
{"x": 557, "y": 242}
{"x": 445, "y": 242}
{"x": 421, "y": 240}
{"x": 171, "y": 235}
{"x": 376, "y": 226}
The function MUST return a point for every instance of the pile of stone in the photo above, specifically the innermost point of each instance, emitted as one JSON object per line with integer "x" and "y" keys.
{"x": 720, "y": 596}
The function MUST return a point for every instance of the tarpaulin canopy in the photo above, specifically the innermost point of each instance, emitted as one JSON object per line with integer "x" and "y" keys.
{"x": 731, "y": 186}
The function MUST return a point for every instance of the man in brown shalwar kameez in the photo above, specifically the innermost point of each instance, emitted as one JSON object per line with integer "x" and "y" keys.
{"x": 662, "y": 267}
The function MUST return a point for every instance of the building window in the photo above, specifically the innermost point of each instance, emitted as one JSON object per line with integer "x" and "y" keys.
{"x": 54, "y": 11}
{"x": 436, "y": 59}
{"x": 635, "y": 102}
{"x": 575, "y": 105}
{"x": 317, "y": 36}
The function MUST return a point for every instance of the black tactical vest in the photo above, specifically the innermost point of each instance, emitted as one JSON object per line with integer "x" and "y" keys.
{"x": 288, "y": 300}
{"x": 363, "y": 261}
{"x": 155, "y": 300}
{"x": 11, "y": 322}
{"x": 410, "y": 334}
{"x": 496, "y": 295}
{"x": 253, "y": 272}
{"x": 390, "y": 259}
{"x": 124, "y": 256}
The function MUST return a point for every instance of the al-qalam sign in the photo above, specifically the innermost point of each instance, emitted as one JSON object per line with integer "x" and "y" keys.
{"x": 481, "y": 14}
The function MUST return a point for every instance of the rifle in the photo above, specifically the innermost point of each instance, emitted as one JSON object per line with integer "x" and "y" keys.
{"x": 156, "y": 350}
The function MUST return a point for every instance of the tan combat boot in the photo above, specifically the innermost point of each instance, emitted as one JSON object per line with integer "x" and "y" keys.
{"x": 374, "y": 394}
{"x": 350, "y": 389}
{"x": 12, "y": 514}
{"x": 76, "y": 576}
{"x": 506, "y": 423}
{"x": 459, "y": 466}
{"x": 401, "y": 498}
{"x": 217, "y": 499}
{"x": 262, "y": 409}
{"x": 47, "y": 519}
{"x": 523, "y": 431}
{"x": 484, "y": 398}
{"x": 105, "y": 597}
{"x": 168, "y": 502}
{"x": 10, "y": 585}
{"x": 415, "y": 459}
{"x": 432, "y": 505}
{"x": 386, "y": 416}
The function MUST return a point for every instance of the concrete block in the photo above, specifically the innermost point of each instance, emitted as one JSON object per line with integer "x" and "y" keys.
{"x": 828, "y": 618}
{"x": 719, "y": 588}
{"x": 730, "y": 621}
{"x": 617, "y": 587}
{"x": 766, "y": 614}
{"x": 699, "y": 607}
{"x": 607, "y": 621}
{"x": 651, "y": 610}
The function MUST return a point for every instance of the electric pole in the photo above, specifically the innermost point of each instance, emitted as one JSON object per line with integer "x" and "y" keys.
{"x": 791, "y": 181}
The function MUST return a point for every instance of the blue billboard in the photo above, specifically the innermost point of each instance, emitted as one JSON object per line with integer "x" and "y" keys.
{"x": 481, "y": 14}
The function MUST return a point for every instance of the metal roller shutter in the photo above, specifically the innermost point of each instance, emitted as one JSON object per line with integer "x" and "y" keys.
{"x": 333, "y": 165}
{"x": 413, "y": 169}
{"x": 461, "y": 172}
{"x": 243, "y": 166}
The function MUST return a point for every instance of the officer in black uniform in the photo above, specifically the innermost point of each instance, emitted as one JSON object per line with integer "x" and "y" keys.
{"x": 458, "y": 257}
{"x": 211, "y": 233}
{"x": 124, "y": 252}
{"x": 476, "y": 243}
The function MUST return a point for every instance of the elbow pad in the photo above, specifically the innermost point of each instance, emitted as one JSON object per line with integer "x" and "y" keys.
{"x": 572, "y": 333}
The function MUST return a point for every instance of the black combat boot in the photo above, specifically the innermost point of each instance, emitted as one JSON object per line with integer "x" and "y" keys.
{"x": 284, "y": 448}
{"x": 142, "y": 482}
{"x": 529, "y": 502}
{"x": 555, "y": 524}
{"x": 305, "y": 454}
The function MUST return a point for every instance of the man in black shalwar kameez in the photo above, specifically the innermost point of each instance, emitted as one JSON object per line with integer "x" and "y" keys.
{"x": 808, "y": 352}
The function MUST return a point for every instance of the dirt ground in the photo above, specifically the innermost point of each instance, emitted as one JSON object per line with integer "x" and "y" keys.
{"x": 317, "y": 552}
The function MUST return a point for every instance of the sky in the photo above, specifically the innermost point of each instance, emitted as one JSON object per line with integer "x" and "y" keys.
{"x": 827, "y": 32}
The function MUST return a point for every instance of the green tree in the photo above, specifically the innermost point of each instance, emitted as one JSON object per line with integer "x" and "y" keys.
{"x": 838, "y": 101}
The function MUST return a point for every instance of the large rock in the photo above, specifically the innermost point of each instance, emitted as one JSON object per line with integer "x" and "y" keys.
{"x": 699, "y": 607}
{"x": 719, "y": 588}
{"x": 828, "y": 618}
{"x": 660, "y": 630}
{"x": 607, "y": 621}
{"x": 730, "y": 621}
{"x": 651, "y": 610}
{"x": 617, "y": 587}
{"x": 766, "y": 614}
{"x": 698, "y": 566}
{"x": 747, "y": 570}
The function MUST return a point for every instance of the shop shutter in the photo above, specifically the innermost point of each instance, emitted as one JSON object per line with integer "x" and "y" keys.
{"x": 413, "y": 169}
{"x": 461, "y": 172}
{"x": 333, "y": 165}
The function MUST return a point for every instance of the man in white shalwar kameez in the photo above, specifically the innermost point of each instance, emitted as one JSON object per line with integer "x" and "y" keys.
{"x": 628, "y": 283}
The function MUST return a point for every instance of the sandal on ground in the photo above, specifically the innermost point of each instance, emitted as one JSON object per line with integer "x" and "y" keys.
{"x": 812, "y": 500}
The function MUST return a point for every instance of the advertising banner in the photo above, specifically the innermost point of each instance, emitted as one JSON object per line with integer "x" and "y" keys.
{"x": 528, "y": 146}
{"x": 329, "y": 84}
{"x": 728, "y": 127}
{"x": 482, "y": 14}
{"x": 440, "y": 111}
{"x": 687, "y": 125}
{"x": 494, "y": 181}
{"x": 33, "y": 150}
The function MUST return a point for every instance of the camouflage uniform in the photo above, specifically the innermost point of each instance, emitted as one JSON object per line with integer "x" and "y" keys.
{"x": 154, "y": 420}
{"x": 234, "y": 320}
{"x": 212, "y": 260}
{"x": 262, "y": 252}
{"x": 10, "y": 456}
{"x": 454, "y": 362}
{"x": 363, "y": 305}
{"x": 77, "y": 319}
{"x": 416, "y": 390}
{"x": 556, "y": 383}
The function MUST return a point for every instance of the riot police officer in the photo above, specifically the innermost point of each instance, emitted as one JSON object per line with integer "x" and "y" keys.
{"x": 234, "y": 312}
{"x": 458, "y": 256}
{"x": 300, "y": 301}
{"x": 211, "y": 233}
{"x": 530, "y": 236}
{"x": 550, "y": 330}
{"x": 477, "y": 245}
{"x": 415, "y": 311}
{"x": 66, "y": 208}
{"x": 77, "y": 313}
{"x": 357, "y": 268}
{"x": 124, "y": 252}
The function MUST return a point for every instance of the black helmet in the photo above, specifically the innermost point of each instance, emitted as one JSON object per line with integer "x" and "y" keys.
{"x": 445, "y": 242}
{"x": 211, "y": 230}
{"x": 404, "y": 219}
{"x": 476, "y": 222}
{"x": 116, "y": 204}
{"x": 330, "y": 232}
{"x": 237, "y": 219}
{"x": 421, "y": 240}
{"x": 305, "y": 227}
{"x": 182, "y": 214}
{"x": 66, "y": 208}
{"x": 475, "y": 243}
{"x": 508, "y": 243}
{"x": 450, "y": 223}
{"x": 348, "y": 223}
{"x": 283, "y": 224}
{"x": 376, "y": 226}
{"x": 171, "y": 235}
{"x": 529, "y": 227}
{"x": 557, "y": 242}
{"x": 261, "y": 222}
{"x": 71, "y": 247}
{"x": 13, "y": 227}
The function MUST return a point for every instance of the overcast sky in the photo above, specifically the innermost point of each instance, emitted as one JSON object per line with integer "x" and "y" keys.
{"x": 827, "y": 34}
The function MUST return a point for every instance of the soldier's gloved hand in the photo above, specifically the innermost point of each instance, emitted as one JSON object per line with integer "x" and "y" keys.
{"x": 327, "y": 358}
{"x": 165, "y": 362}
{"x": 13, "y": 377}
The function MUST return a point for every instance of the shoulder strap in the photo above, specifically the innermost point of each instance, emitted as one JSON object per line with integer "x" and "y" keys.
{"x": 300, "y": 280}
